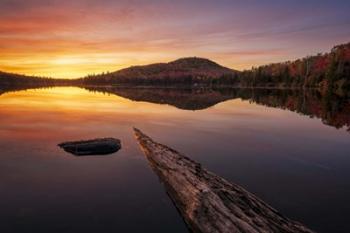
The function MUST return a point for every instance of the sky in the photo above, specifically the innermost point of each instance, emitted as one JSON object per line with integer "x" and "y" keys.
{"x": 70, "y": 39}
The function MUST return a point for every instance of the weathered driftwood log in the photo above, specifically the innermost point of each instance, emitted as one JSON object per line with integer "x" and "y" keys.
{"x": 99, "y": 146}
{"x": 207, "y": 202}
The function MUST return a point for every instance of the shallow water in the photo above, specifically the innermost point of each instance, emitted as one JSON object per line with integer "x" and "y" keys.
{"x": 299, "y": 165}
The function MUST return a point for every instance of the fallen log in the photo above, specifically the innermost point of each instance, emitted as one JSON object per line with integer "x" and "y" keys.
{"x": 207, "y": 202}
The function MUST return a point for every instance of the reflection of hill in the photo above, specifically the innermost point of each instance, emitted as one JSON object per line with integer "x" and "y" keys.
{"x": 187, "y": 99}
{"x": 333, "y": 109}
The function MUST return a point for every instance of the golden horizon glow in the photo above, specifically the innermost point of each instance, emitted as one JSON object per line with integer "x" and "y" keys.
{"x": 73, "y": 39}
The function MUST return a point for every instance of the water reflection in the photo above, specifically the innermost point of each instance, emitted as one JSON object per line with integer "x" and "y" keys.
{"x": 295, "y": 163}
{"x": 332, "y": 108}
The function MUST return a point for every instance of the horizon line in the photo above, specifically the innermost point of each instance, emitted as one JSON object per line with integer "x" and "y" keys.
{"x": 186, "y": 57}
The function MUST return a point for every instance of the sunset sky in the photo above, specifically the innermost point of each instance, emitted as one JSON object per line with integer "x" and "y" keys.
{"x": 69, "y": 39}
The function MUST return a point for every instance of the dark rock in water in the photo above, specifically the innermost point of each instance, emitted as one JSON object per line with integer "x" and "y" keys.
{"x": 99, "y": 146}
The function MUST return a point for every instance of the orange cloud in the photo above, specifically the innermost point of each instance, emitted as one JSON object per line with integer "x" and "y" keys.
{"x": 72, "y": 39}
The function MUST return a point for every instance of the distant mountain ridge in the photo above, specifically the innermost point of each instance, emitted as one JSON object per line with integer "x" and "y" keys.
{"x": 327, "y": 71}
{"x": 11, "y": 79}
{"x": 184, "y": 70}
{"x": 182, "y": 66}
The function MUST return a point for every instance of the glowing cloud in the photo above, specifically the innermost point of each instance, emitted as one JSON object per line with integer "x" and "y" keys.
{"x": 72, "y": 39}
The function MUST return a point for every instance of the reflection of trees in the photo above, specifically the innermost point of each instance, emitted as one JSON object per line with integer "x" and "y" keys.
{"x": 332, "y": 108}
{"x": 7, "y": 89}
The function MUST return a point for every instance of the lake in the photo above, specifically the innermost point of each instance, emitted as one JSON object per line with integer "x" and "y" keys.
{"x": 290, "y": 148}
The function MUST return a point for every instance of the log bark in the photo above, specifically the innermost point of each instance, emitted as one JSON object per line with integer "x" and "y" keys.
{"x": 207, "y": 202}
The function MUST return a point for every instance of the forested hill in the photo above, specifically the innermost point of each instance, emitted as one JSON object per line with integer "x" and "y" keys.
{"x": 187, "y": 71}
{"x": 11, "y": 79}
{"x": 330, "y": 70}
{"x": 327, "y": 71}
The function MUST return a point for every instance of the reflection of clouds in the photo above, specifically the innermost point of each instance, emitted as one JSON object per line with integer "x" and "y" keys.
{"x": 39, "y": 114}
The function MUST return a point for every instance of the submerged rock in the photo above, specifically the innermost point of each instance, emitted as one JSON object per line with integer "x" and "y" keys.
{"x": 99, "y": 146}
{"x": 207, "y": 202}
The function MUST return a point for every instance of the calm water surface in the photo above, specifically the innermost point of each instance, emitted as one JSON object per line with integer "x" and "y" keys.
{"x": 298, "y": 164}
